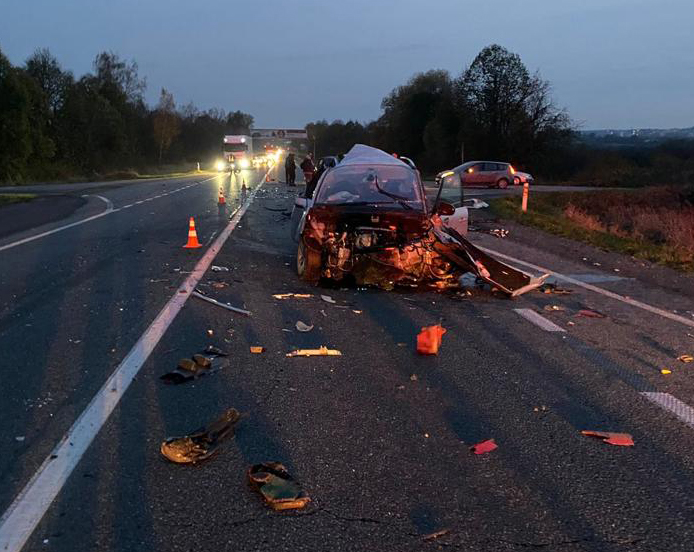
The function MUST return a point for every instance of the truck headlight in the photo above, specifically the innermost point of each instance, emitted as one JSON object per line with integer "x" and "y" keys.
{"x": 245, "y": 163}
{"x": 220, "y": 165}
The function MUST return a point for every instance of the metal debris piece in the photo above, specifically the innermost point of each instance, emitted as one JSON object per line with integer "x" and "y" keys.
{"x": 303, "y": 327}
{"x": 190, "y": 369}
{"x": 484, "y": 447}
{"x": 292, "y": 295}
{"x": 436, "y": 534}
{"x": 277, "y": 486}
{"x": 429, "y": 340}
{"x": 20, "y": 438}
{"x": 322, "y": 351}
{"x": 219, "y": 285}
{"x": 257, "y": 350}
{"x": 202, "y": 443}
{"x": 215, "y": 268}
{"x": 499, "y": 232}
{"x": 617, "y": 439}
{"x": 216, "y": 351}
{"x": 328, "y": 299}
{"x": 686, "y": 358}
{"x": 554, "y": 308}
{"x": 223, "y": 305}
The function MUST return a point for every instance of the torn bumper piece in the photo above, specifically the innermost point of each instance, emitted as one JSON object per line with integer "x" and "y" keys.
{"x": 277, "y": 487}
{"x": 457, "y": 250}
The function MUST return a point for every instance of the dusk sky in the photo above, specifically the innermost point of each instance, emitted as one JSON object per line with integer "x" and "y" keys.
{"x": 612, "y": 63}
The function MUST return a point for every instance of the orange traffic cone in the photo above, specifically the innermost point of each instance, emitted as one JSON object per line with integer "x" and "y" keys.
{"x": 267, "y": 176}
{"x": 193, "y": 242}
{"x": 222, "y": 199}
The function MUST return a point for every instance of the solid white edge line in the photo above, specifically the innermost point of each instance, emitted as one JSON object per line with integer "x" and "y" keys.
{"x": 596, "y": 289}
{"x": 673, "y": 405}
{"x": 109, "y": 210}
{"x": 539, "y": 320}
{"x": 28, "y": 508}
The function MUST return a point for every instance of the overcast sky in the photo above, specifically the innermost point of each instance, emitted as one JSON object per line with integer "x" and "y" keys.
{"x": 612, "y": 63}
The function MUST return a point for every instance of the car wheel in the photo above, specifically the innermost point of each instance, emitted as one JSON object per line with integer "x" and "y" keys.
{"x": 308, "y": 263}
{"x": 502, "y": 184}
{"x": 516, "y": 181}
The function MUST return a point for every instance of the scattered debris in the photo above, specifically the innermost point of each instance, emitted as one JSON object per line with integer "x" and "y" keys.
{"x": 590, "y": 313}
{"x": 322, "y": 351}
{"x": 554, "y": 308}
{"x": 223, "y": 305}
{"x": 215, "y": 268}
{"x": 20, "y": 438}
{"x": 435, "y": 535}
{"x": 484, "y": 447}
{"x": 210, "y": 332}
{"x": 219, "y": 285}
{"x": 323, "y": 313}
{"x": 200, "y": 365}
{"x": 413, "y": 377}
{"x": 302, "y": 327}
{"x": 499, "y": 232}
{"x": 328, "y": 299}
{"x": 617, "y": 439}
{"x": 552, "y": 288}
{"x": 292, "y": 295}
{"x": 666, "y": 371}
{"x": 277, "y": 487}
{"x": 355, "y": 311}
{"x": 429, "y": 340}
{"x": 476, "y": 203}
{"x": 686, "y": 358}
{"x": 257, "y": 350}
{"x": 212, "y": 350}
{"x": 200, "y": 444}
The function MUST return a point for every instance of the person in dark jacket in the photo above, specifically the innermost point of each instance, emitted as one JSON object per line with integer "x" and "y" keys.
{"x": 290, "y": 170}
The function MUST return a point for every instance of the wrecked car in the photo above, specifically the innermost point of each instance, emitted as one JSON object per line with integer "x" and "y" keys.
{"x": 369, "y": 222}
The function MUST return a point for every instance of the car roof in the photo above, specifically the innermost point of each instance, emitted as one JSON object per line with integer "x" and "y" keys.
{"x": 366, "y": 155}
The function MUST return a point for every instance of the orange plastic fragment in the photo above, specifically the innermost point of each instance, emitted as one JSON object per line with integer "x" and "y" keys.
{"x": 590, "y": 313}
{"x": 617, "y": 439}
{"x": 483, "y": 447}
{"x": 429, "y": 340}
{"x": 257, "y": 350}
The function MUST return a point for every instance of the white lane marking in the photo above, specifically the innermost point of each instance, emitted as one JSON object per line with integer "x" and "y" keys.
{"x": 28, "y": 508}
{"x": 109, "y": 210}
{"x": 672, "y": 404}
{"x": 596, "y": 289}
{"x": 539, "y": 320}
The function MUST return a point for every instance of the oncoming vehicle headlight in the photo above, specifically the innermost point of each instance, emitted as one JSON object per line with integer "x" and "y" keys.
{"x": 244, "y": 163}
{"x": 221, "y": 165}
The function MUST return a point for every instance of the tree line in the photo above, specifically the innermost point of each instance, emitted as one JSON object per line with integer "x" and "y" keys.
{"x": 496, "y": 109}
{"x": 55, "y": 126}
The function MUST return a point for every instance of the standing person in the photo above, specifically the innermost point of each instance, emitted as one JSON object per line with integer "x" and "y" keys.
{"x": 290, "y": 169}
{"x": 308, "y": 166}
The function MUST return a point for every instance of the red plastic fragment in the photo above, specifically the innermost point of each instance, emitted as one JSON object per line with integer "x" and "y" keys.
{"x": 617, "y": 439}
{"x": 483, "y": 447}
{"x": 429, "y": 340}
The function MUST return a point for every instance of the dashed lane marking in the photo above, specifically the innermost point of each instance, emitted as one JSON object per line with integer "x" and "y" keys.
{"x": 672, "y": 404}
{"x": 109, "y": 210}
{"x": 28, "y": 508}
{"x": 539, "y": 320}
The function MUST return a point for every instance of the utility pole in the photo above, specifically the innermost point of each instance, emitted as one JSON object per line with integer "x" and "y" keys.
{"x": 462, "y": 152}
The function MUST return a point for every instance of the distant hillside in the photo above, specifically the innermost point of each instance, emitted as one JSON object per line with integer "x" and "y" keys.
{"x": 635, "y": 136}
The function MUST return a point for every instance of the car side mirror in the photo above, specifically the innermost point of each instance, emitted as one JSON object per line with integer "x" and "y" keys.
{"x": 301, "y": 202}
{"x": 445, "y": 209}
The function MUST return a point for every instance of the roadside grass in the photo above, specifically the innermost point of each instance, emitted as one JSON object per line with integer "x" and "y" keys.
{"x": 8, "y": 199}
{"x": 654, "y": 224}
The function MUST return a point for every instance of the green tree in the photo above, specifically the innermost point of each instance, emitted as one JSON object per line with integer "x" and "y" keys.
{"x": 239, "y": 123}
{"x": 53, "y": 81}
{"x": 15, "y": 130}
{"x": 166, "y": 124}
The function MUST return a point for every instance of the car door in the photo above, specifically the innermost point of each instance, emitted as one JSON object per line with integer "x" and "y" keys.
{"x": 488, "y": 174}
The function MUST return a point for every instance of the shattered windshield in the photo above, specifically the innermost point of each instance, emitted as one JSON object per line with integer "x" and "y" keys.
{"x": 370, "y": 184}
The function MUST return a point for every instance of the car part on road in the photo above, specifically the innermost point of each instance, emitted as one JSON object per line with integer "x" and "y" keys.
{"x": 257, "y": 350}
{"x": 283, "y": 296}
{"x": 321, "y": 351}
{"x": 554, "y": 308}
{"x": 498, "y": 232}
{"x": 202, "y": 443}
{"x": 686, "y": 358}
{"x": 328, "y": 299}
{"x": 552, "y": 288}
{"x": 303, "y": 327}
{"x": 223, "y": 305}
{"x": 277, "y": 486}
{"x": 212, "y": 350}
{"x": 484, "y": 447}
{"x": 215, "y": 268}
{"x": 191, "y": 369}
{"x": 587, "y": 313}
{"x": 429, "y": 340}
{"x": 436, "y": 534}
{"x": 617, "y": 439}
{"x": 666, "y": 371}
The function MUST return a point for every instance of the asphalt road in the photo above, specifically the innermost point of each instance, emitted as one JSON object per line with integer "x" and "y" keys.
{"x": 379, "y": 437}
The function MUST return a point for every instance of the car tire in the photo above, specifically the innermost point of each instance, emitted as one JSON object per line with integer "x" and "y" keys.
{"x": 516, "y": 181}
{"x": 502, "y": 184}
{"x": 308, "y": 263}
